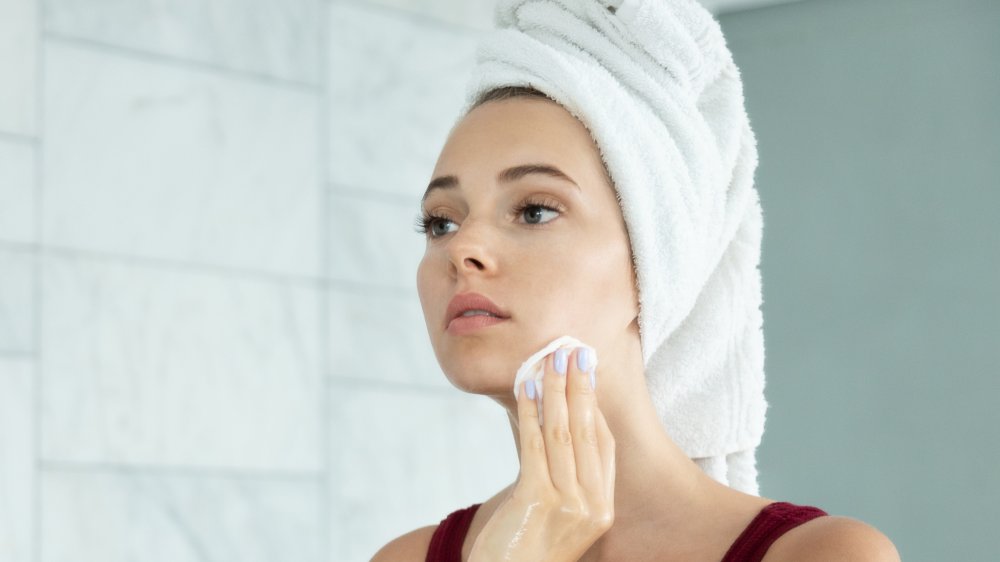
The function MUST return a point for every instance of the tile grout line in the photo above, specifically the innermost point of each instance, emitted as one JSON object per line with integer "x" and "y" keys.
{"x": 390, "y": 386}
{"x": 374, "y": 195}
{"x": 420, "y": 18}
{"x": 163, "y": 264}
{"x": 36, "y": 532}
{"x": 206, "y": 268}
{"x": 177, "y": 265}
{"x": 30, "y": 140}
{"x": 19, "y": 245}
{"x": 180, "y": 62}
{"x": 17, "y": 354}
{"x": 179, "y": 471}
{"x": 326, "y": 488}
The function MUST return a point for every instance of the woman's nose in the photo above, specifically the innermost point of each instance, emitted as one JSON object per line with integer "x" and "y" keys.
{"x": 470, "y": 250}
{"x": 473, "y": 263}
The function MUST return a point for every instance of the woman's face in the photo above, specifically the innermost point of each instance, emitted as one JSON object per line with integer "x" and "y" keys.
{"x": 564, "y": 271}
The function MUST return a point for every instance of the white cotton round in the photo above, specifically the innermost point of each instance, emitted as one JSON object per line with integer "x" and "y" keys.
{"x": 534, "y": 368}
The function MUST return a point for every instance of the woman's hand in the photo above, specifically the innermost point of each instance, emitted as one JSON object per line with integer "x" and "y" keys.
{"x": 563, "y": 500}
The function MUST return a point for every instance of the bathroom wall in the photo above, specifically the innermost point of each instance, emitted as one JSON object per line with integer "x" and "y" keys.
{"x": 211, "y": 346}
{"x": 879, "y": 133}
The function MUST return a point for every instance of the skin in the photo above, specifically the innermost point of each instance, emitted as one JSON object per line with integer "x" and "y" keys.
{"x": 573, "y": 276}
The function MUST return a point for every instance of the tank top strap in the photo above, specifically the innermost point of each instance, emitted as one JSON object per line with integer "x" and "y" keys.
{"x": 773, "y": 521}
{"x": 447, "y": 540}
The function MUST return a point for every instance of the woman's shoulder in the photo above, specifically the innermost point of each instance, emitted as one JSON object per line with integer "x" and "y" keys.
{"x": 833, "y": 537}
{"x": 410, "y": 547}
{"x": 414, "y": 546}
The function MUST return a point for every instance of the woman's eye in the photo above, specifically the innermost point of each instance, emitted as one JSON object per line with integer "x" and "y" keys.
{"x": 434, "y": 225}
{"x": 533, "y": 213}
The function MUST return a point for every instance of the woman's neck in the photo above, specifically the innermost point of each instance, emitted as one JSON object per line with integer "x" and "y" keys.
{"x": 658, "y": 488}
{"x": 651, "y": 470}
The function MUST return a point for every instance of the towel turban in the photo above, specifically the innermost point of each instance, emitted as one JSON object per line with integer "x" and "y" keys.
{"x": 656, "y": 86}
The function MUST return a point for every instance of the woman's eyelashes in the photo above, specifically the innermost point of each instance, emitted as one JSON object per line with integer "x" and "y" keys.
{"x": 536, "y": 211}
{"x": 533, "y": 210}
{"x": 426, "y": 223}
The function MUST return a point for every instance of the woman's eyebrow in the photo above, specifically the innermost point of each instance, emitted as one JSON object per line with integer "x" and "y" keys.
{"x": 508, "y": 175}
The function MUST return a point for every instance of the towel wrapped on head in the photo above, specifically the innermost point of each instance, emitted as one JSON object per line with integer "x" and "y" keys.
{"x": 655, "y": 84}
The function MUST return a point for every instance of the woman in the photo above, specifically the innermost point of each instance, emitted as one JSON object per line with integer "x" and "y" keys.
{"x": 553, "y": 256}
{"x": 527, "y": 242}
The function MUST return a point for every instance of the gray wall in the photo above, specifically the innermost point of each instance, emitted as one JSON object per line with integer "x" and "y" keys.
{"x": 877, "y": 125}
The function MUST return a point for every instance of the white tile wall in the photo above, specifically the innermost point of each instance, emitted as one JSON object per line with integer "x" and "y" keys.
{"x": 449, "y": 450}
{"x": 153, "y": 365}
{"x": 159, "y": 160}
{"x": 274, "y": 39}
{"x": 374, "y": 241}
{"x": 396, "y": 89}
{"x": 116, "y": 516}
{"x": 17, "y": 190}
{"x": 211, "y": 345}
{"x": 17, "y": 459}
{"x": 17, "y": 300}
{"x": 469, "y": 13}
{"x": 381, "y": 336}
{"x": 18, "y": 66}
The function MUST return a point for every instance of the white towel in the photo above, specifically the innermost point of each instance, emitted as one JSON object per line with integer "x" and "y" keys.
{"x": 656, "y": 85}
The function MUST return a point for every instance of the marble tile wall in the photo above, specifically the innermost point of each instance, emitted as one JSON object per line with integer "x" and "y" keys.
{"x": 211, "y": 345}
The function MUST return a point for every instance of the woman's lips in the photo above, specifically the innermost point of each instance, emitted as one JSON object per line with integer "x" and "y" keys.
{"x": 472, "y": 301}
{"x": 465, "y": 324}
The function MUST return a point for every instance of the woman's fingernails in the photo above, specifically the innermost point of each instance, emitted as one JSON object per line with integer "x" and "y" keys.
{"x": 530, "y": 387}
{"x": 584, "y": 358}
{"x": 593, "y": 379}
{"x": 560, "y": 361}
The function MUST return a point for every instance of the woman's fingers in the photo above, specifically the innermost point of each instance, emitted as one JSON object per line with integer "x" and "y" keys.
{"x": 566, "y": 444}
{"x": 555, "y": 415}
{"x": 534, "y": 466}
{"x": 549, "y": 514}
{"x": 583, "y": 413}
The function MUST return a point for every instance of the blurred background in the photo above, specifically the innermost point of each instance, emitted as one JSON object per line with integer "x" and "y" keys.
{"x": 211, "y": 345}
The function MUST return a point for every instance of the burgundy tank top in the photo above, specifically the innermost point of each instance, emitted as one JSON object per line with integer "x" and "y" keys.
{"x": 773, "y": 521}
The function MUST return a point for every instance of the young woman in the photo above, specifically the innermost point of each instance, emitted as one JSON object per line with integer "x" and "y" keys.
{"x": 599, "y": 185}
{"x": 526, "y": 233}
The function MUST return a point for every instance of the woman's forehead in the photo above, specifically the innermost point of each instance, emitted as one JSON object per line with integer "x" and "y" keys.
{"x": 514, "y": 132}
{"x": 509, "y": 175}
{"x": 523, "y": 118}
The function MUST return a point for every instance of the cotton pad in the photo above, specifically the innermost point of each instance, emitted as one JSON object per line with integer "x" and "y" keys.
{"x": 534, "y": 367}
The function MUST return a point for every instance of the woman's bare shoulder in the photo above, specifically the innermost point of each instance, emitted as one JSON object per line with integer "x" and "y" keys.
{"x": 833, "y": 538}
{"x": 411, "y": 547}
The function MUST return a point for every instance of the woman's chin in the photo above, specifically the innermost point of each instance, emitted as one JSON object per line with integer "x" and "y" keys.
{"x": 487, "y": 370}
{"x": 487, "y": 382}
